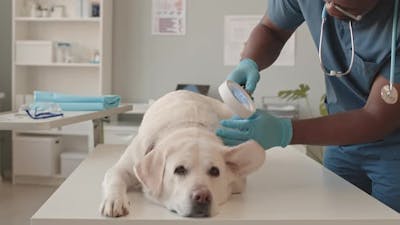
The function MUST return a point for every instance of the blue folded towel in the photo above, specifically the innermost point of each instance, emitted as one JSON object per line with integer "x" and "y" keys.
{"x": 78, "y": 103}
{"x": 80, "y": 106}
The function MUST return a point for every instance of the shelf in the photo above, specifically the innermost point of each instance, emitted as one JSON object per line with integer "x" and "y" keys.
{"x": 50, "y": 19}
{"x": 88, "y": 65}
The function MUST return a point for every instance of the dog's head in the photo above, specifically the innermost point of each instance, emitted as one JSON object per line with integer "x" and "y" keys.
{"x": 193, "y": 174}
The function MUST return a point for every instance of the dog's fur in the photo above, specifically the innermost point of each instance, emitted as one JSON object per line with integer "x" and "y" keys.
{"x": 179, "y": 161}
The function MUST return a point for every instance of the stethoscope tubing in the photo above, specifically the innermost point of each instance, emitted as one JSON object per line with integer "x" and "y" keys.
{"x": 393, "y": 45}
{"x": 324, "y": 16}
{"x": 333, "y": 72}
{"x": 388, "y": 93}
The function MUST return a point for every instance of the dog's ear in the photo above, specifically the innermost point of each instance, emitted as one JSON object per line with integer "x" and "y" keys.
{"x": 245, "y": 158}
{"x": 150, "y": 171}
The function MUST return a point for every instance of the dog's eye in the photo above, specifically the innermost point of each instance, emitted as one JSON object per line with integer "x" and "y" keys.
{"x": 180, "y": 170}
{"x": 214, "y": 171}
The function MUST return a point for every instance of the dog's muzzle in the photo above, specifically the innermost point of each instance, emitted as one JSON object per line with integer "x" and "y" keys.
{"x": 201, "y": 202}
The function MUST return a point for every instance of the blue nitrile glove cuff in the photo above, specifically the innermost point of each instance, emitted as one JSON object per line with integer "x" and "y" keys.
{"x": 287, "y": 132}
{"x": 249, "y": 62}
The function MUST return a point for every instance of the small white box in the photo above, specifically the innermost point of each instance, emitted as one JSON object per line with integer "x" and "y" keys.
{"x": 70, "y": 161}
{"x": 33, "y": 52}
{"x": 36, "y": 155}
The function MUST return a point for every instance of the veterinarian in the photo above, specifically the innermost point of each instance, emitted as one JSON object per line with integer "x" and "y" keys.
{"x": 361, "y": 132}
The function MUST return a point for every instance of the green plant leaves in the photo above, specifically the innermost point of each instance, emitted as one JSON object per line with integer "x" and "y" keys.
{"x": 292, "y": 95}
{"x": 322, "y": 107}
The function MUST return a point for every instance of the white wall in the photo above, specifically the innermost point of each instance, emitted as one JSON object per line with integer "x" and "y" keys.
{"x": 147, "y": 66}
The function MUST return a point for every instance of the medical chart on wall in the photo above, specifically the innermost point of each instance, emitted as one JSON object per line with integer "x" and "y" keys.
{"x": 169, "y": 17}
{"x": 237, "y": 30}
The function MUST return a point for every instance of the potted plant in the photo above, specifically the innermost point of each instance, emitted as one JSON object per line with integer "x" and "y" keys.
{"x": 296, "y": 94}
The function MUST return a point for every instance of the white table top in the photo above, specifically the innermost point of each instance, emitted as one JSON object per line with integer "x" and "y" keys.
{"x": 11, "y": 121}
{"x": 289, "y": 189}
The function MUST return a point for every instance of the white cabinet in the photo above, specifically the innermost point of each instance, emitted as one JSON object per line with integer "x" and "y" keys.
{"x": 86, "y": 65}
{"x": 36, "y": 155}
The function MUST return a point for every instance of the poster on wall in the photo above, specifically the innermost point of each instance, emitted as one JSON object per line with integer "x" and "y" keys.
{"x": 237, "y": 30}
{"x": 169, "y": 17}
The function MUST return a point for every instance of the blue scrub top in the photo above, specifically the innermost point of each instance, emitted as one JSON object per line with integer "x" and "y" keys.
{"x": 372, "y": 38}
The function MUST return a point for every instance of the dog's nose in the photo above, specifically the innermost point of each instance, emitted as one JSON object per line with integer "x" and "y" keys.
{"x": 201, "y": 196}
{"x": 201, "y": 203}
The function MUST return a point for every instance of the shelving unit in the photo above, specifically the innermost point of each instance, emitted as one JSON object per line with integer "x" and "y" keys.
{"x": 81, "y": 77}
{"x": 86, "y": 36}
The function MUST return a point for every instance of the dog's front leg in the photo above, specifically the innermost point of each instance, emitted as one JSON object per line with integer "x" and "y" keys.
{"x": 115, "y": 200}
{"x": 115, "y": 185}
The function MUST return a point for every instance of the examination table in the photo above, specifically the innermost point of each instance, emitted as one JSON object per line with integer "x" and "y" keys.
{"x": 289, "y": 189}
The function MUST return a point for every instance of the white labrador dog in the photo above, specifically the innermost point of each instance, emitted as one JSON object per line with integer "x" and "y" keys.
{"x": 178, "y": 160}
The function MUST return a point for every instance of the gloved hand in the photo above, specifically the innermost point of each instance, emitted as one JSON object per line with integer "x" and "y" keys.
{"x": 262, "y": 127}
{"x": 246, "y": 73}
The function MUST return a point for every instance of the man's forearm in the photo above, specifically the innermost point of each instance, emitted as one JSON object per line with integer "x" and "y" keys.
{"x": 371, "y": 123}
{"x": 351, "y": 127}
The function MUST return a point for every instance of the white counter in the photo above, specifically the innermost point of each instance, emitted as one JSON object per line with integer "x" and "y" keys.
{"x": 12, "y": 121}
{"x": 289, "y": 189}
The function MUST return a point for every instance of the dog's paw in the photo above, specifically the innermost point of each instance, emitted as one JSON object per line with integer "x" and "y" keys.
{"x": 115, "y": 206}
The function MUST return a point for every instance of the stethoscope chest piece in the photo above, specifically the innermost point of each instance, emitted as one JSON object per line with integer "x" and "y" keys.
{"x": 389, "y": 95}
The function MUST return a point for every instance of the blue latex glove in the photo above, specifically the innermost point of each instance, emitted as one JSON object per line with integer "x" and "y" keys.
{"x": 262, "y": 127}
{"x": 246, "y": 74}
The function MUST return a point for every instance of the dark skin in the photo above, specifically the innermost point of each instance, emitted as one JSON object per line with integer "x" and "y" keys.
{"x": 370, "y": 123}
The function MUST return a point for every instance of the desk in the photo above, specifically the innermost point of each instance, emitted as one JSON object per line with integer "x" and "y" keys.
{"x": 11, "y": 121}
{"x": 289, "y": 189}
{"x": 21, "y": 123}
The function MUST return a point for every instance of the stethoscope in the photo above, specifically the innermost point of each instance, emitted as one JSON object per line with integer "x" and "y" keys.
{"x": 389, "y": 93}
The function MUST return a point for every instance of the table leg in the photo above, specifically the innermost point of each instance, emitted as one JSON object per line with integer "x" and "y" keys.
{"x": 98, "y": 132}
